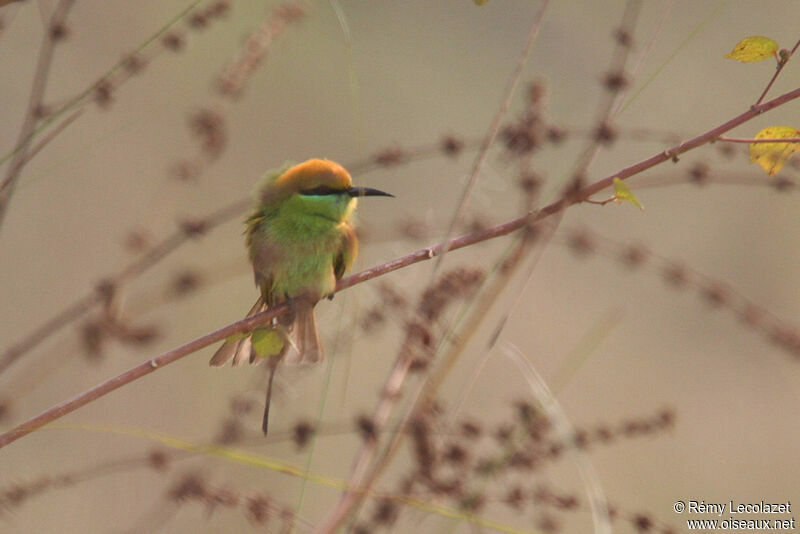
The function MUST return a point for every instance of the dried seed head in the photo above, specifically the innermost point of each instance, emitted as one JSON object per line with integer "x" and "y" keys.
{"x": 471, "y": 430}
{"x": 642, "y": 523}
{"x": 604, "y": 434}
{"x": 605, "y": 134}
{"x": 134, "y": 63}
{"x": 390, "y": 157}
{"x": 257, "y": 509}
{"x": 209, "y": 126}
{"x": 634, "y": 256}
{"x": 366, "y": 428}
{"x": 515, "y": 498}
{"x": 158, "y": 460}
{"x": 190, "y": 487}
{"x": 581, "y": 243}
{"x": 197, "y": 20}
{"x": 219, "y": 8}
{"x": 173, "y": 41}
{"x": 530, "y": 183}
{"x": 302, "y": 433}
{"x": 676, "y": 275}
{"x": 699, "y": 174}
{"x": 716, "y": 295}
{"x": 452, "y": 146}
{"x": 385, "y": 512}
{"x": 623, "y": 37}
{"x": 137, "y": 240}
{"x": 615, "y": 81}
{"x": 194, "y": 227}
{"x": 556, "y": 135}
{"x": 521, "y": 138}
{"x": 58, "y": 32}
{"x": 455, "y": 454}
{"x": 230, "y": 432}
{"x": 782, "y": 184}
{"x": 103, "y": 94}
{"x": 185, "y": 282}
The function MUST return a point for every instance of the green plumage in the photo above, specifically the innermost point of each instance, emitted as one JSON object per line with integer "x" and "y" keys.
{"x": 300, "y": 241}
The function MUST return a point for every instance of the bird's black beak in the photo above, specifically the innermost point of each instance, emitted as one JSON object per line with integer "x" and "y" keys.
{"x": 366, "y": 192}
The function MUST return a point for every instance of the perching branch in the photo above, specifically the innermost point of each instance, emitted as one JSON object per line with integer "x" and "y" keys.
{"x": 248, "y": 324}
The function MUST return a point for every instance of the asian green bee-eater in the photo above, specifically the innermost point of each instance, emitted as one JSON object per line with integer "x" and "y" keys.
{"x": 301, "y": 240}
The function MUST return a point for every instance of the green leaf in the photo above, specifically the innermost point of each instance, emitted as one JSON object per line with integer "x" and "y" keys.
{"x": 773, "y": 156}
{"x": 755, "y": 48}
{"x": 623, "y": 194}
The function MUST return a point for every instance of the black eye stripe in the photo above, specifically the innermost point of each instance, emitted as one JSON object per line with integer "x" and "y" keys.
{"x": 322, "y": 190}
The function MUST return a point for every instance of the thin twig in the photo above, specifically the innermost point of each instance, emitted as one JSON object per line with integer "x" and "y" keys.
{"x": 750, "y": 141}
{"x": 494, "y": 128}
{"x": 84, "y": 304}
{"x": 52, "y": 34}
{"x": 96, "y": 296}
{"x": 614, "y": 96}
{"x": 83, "y": 96}
{"x": 52, "y": 134}
{"x": 782, "y": 63}
{"x": 361, "y": 480}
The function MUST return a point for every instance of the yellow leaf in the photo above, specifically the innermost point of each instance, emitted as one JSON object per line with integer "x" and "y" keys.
{"x": 480, "y": 2}
{"x": 753, "y": 48}
{"x": 623, "y": 193}
{"x": 773, "y": 156}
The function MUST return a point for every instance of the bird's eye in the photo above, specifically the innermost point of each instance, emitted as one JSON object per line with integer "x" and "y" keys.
{"x": 321, "y": 190}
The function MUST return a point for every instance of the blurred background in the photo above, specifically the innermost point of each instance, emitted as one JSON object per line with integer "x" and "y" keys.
{"x": 692, "y": 373}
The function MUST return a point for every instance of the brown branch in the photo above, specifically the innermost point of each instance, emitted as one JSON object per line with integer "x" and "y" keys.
{"x": 98, "y": 294}
{"x": 54, "y": 32}
{"x": 84, "y": 95}
{"x": 172, "y": 242}
{"x": 781, "y": 63}
{"x": 248, "y": 324}
{"x": 362, "y": 475}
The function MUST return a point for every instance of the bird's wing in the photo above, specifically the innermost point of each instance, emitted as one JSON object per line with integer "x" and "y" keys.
{"x": 343, "y": 261}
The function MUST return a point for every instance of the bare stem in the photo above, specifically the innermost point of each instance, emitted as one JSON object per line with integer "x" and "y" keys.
{"x": 248, "y": 324}
{"x": 749, "y": 141}
{"x": 52, "y": 34}
{"x": 781, "y": 64}
{"x": 494, "y": 127}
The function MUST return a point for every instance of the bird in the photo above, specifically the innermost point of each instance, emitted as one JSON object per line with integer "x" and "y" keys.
{"x": 301, "y": 240}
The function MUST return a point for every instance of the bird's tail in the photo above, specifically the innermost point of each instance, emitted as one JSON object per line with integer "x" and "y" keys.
{"x": 238, "y": 348}
{"x": 273, "y": 344}
{"x": 304, "y": 343}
